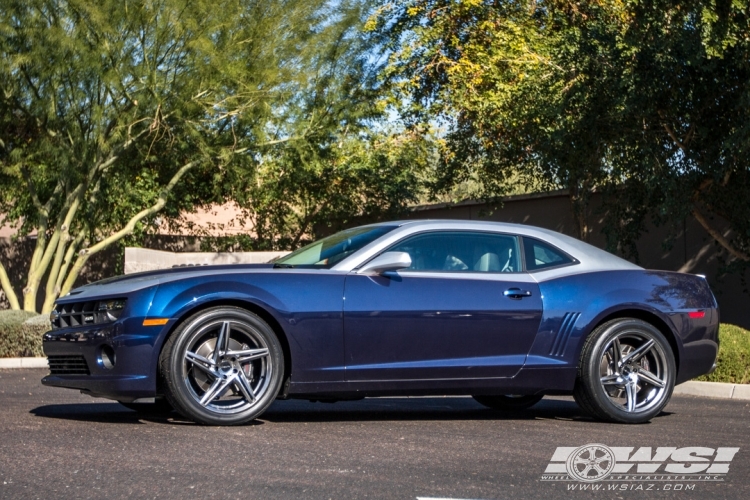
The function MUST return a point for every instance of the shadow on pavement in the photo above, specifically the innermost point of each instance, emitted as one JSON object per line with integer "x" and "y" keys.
{"x": 113, "y": 413}
{"x": 371, "y": 409}
{"x": 408, "y": 409}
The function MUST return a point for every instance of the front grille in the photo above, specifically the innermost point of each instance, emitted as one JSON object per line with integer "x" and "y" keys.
{"x": 68, "y": 365}
{"x": 76, "y": 314}
{"x": 92, "y": 312}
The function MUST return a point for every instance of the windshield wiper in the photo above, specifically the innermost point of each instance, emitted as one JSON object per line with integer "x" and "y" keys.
{"x": 283, "y": 266}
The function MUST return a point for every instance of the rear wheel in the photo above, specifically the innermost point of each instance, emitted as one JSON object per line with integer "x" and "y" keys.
{"x": 509, "y": 402}
{"x": 223, "y": 366}
{"x": 627, "y": 372}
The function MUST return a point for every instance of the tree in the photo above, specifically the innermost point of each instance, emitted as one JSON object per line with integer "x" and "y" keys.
{"x": 347, "y": 167}
{"x": 646, "y": 102}
{"x": 308, "y": 192}
{"x": 685, "y": 131}
{"x": 112, "y": 112}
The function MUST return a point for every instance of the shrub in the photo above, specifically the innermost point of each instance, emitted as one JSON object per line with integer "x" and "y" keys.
{"x": 733, "y": 365}
{"x": 21, "y": 333}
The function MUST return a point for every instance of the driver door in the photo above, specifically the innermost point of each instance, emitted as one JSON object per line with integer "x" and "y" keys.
{"x": 463, "y": 309}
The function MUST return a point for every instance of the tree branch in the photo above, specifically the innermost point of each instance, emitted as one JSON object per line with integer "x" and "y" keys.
{"x": 50, "y": 292}
{"x": 84, "y": 254}
{"x": 42, "y": 209}
{"x": 720, "y": 237}
{"x": 675, "y": 138}
{"x": 63, "y": 233}
{"x": 68, "y": 259}
{"x": 44, "y": 252}
{"x": 41, "y": 247}
{"x": 279, "y": 141}
{"x": 8, "y": 289}
{"x": 54, "y": 247}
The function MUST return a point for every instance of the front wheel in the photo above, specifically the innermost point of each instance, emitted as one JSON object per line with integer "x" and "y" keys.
{"x": 627, "y": 372}
{"x": 508, "y": 403}
{"x": 222, "y": 366}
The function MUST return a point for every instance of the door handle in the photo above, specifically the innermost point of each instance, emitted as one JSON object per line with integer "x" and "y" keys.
{"x": 516, "y": 293}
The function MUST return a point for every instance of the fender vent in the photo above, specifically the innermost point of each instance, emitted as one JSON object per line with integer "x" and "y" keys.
{"x": 563, "y": 334}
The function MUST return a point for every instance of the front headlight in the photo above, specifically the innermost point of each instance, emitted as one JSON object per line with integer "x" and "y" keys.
{"x": 110, "y": 310}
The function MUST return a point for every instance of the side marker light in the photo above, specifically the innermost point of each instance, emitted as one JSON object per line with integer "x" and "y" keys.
{"x": 155, "y": 322}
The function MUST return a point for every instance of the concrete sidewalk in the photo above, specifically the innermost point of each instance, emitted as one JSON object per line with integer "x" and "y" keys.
{"x": 692, "y": 388}
{"x": 13, "y": 363}
{"x": 714, "y": 390}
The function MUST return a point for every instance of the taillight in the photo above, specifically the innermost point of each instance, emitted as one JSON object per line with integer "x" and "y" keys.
{"x": 696, "y": 314}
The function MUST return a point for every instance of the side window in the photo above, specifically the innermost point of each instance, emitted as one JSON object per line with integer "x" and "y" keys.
{"x": 540, "y": 255}
{"x": 461, "y": 251}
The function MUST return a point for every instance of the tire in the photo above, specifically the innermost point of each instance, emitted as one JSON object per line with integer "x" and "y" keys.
{"x": 508, "y": 403}
{"x": 626, "y": 373}
{"x": 230, "y": 385}
{"x": 159, "y": 407}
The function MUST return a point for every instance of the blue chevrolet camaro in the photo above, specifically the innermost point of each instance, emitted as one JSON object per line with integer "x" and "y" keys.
{"x": 505, "y": 313}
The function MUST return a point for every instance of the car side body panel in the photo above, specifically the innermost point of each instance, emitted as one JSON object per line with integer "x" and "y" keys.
{"x": 575, "y": 304}
{"x": 413, "y": 325}
{"x": 306, "y": 305}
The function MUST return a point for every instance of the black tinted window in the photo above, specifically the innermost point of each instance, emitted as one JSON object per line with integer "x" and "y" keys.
{"x": 540, "y": 255}
{"x": 461, "y": 251}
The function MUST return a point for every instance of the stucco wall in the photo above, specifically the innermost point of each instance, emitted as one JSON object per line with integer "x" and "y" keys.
{"x": 145, "y": 259}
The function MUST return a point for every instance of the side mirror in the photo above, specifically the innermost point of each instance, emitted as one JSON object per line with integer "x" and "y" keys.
{"x": 389, "y": 261}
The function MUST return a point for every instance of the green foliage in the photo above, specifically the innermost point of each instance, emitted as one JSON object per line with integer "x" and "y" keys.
{"x": 115, "y": 116}
{"x": 343, "y": 166}
{"x": 646, "y": 102}
{"x": 306, "y": 192}
{"x": 21, "y": 333}
{"x": 10, "y": 317}
{"x": 733, "y": 365}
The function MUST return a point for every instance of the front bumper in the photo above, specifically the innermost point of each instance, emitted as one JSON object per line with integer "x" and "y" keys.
{"x": 133, "y": 374}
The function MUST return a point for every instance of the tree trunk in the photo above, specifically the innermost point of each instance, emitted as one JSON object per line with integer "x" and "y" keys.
{"x": 720, "y": 238}
{"x": 8, "y": 289}
{"x": 579, "y": 199}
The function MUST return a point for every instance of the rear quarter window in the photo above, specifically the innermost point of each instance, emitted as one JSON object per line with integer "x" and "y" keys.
{"x": 540, "y": 255}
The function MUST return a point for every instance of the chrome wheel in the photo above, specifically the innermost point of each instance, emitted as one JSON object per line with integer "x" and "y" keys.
{"x": 632, "y": 369}
{"x": 232, "y": 377}
{"x": 626, "y": 372}
{"x": 222, "y": 366}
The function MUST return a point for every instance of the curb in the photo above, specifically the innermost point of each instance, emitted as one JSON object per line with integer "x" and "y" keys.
{"x": 14, "y": 363}
{"x": 714, "y": 390}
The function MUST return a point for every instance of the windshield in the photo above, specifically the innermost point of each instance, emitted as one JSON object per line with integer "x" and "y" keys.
{"x": 327, "y": 252}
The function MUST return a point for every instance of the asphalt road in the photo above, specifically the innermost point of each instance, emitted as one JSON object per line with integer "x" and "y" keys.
{"x": 57, "y": 443}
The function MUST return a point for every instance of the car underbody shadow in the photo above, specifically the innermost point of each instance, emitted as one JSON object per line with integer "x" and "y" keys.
{"x": 370, "y": 409}
{"x": 414, "y": 408}
{"x": 113, "y": 413}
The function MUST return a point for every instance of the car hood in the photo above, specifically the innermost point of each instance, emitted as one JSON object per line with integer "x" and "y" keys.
{"x": 120, "y": 285}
